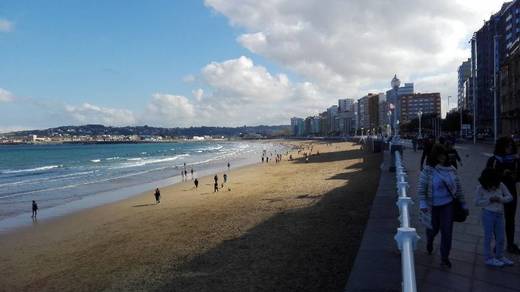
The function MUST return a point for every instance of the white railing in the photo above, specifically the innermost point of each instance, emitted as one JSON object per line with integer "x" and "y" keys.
{"x": 406, "y": 236}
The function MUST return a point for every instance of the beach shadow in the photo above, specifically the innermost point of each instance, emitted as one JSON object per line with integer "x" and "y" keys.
{"x": 144, "y": 205}
{"x": 302, "y": 249}
{"x": 332, "y": 156}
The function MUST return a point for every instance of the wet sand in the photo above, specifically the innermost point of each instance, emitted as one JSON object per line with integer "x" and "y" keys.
{"x": 277, "y": 227}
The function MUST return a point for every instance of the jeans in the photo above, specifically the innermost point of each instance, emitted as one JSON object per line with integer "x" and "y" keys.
{"x": 509, "y": 216}
{"x": 442, "y": 219}
{"x": 493, "y": 223}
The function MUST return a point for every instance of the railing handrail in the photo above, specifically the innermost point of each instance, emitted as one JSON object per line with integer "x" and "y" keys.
{"x": 406, "y": 236}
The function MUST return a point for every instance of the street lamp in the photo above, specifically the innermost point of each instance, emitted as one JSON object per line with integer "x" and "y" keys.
{"x": 389, "y": 132}
{"x": 420, "y": 128}
{"x": 355, "y": 115}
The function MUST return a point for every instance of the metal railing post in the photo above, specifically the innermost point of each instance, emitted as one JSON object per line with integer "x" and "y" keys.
{"x": 406, "y": 236}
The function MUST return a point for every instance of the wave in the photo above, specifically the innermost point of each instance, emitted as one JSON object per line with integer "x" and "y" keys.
{"x": 143, "y": 162}
{"x": 134, "y": 159}
{"x": 95, "y": 160}
{"x": 49, "y": 179}
{"x": 42, "y": 168}
{"x": 112, "y": 158}
{"x": 210, "y": 148}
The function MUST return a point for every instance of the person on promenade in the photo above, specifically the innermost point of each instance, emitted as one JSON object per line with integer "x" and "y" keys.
{"x": 196, "y": 182}
{"x": 453, "y": 155}
{"x": 438, "y": 186}
{"x": 34, "y": 209}
{"x": 427, "y": 147}
{"x": 506, "y": 162}
{"x": 414, "y": 143}
{"x": 491, "y": 195}
{"x": 157, "y": 195}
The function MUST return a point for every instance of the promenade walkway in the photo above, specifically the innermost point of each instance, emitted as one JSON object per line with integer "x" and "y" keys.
{"x": 377, "y": 266}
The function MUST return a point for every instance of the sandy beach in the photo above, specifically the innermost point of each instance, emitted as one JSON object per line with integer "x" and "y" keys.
{"x": 273, "y": 227}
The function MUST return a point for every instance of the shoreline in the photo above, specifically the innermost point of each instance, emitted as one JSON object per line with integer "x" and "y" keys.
{"x": 13, "y": 223}
{"x": 292, "y": 224}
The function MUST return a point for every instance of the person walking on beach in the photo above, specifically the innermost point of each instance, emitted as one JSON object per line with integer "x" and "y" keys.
{"x": 186, "y": 174}
{"x": 191, "y": 173}
{"x": 215, "y": 187}
{"x": 262, "y": 159}
{"x": 196, "y": 182}
{"x": 157, "y": 195}
{"x": 215, "y": 178}
{"x": 438, "y": 187}
{"x": 34, "y": 209}
{"x": 225, "y": 178}
{"x": 228, "y": 165}
{"x": 182, "y": 174}
{"x": 505, "y": 161}
{"x": 491, "y": 195}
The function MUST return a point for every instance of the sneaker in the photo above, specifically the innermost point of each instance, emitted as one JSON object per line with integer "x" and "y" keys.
{"x": 506, "y": 261}
{"x": 494, "y": 262}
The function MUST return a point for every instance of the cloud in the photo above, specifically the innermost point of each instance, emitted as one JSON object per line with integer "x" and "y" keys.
{"x": 240, "y": 80}
{"x": 344, "y": 47}
{"x": 6, "y": 25}
{"x": 6, "y": 96}
{"x": 91, "y": 114}
{"x": 198, "y": 94}
{"x": 169, "y": 110}
{"x": 188, "y": 78}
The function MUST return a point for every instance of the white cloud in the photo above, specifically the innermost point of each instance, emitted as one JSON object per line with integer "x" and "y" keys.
{"x": 188, "y": 78}
{"x": 198, "y": 94}
{"x": 169, "y": 110}
{"x": 344, "y": 47}
{"x": 242, "y": 92}
{"x": 5, "y": 96}
{"x": 6, "y": 25}
{"x": 91, "y": 114}
{"x": 240, "y": 80}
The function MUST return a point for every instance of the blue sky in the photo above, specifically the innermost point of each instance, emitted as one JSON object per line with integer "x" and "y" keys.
{"x": 109, "y": 51}
{"x": 216, "y": 62}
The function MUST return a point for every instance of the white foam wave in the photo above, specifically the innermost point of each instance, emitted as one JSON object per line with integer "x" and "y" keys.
{"x": 95, "y": 160}
{"x": 42, "y": 168}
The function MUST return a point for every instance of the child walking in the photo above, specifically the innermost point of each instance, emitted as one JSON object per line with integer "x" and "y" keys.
{"x": 491, "y": 196}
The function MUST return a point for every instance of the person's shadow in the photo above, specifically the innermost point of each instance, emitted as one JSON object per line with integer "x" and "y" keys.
{"x": 144, "y": 205}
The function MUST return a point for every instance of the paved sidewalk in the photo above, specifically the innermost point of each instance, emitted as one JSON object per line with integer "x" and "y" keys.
{"x": 468, "y": 272}
{"x": 378, "y": 263}
{"x": 377, "y": 266}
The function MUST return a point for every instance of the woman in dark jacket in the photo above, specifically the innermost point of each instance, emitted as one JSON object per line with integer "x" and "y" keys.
{"x": 505, "y": 161}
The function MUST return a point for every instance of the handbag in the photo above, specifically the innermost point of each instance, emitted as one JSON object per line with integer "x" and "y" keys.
{"x": 459, "y": 214}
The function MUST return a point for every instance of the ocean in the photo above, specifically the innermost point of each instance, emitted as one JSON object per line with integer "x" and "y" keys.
{"x": 67, "y": 177}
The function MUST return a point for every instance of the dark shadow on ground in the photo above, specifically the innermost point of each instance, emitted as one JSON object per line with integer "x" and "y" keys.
{"x": 307, "y": 249}
{"x": 144, "y": 205}
{"x": 332, "y": 156}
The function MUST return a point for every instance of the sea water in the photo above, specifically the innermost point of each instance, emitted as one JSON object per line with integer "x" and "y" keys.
{"x": 66, "y": 177}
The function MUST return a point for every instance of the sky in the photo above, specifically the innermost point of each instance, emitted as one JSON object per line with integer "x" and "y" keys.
{"x": 220, "y": 62}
